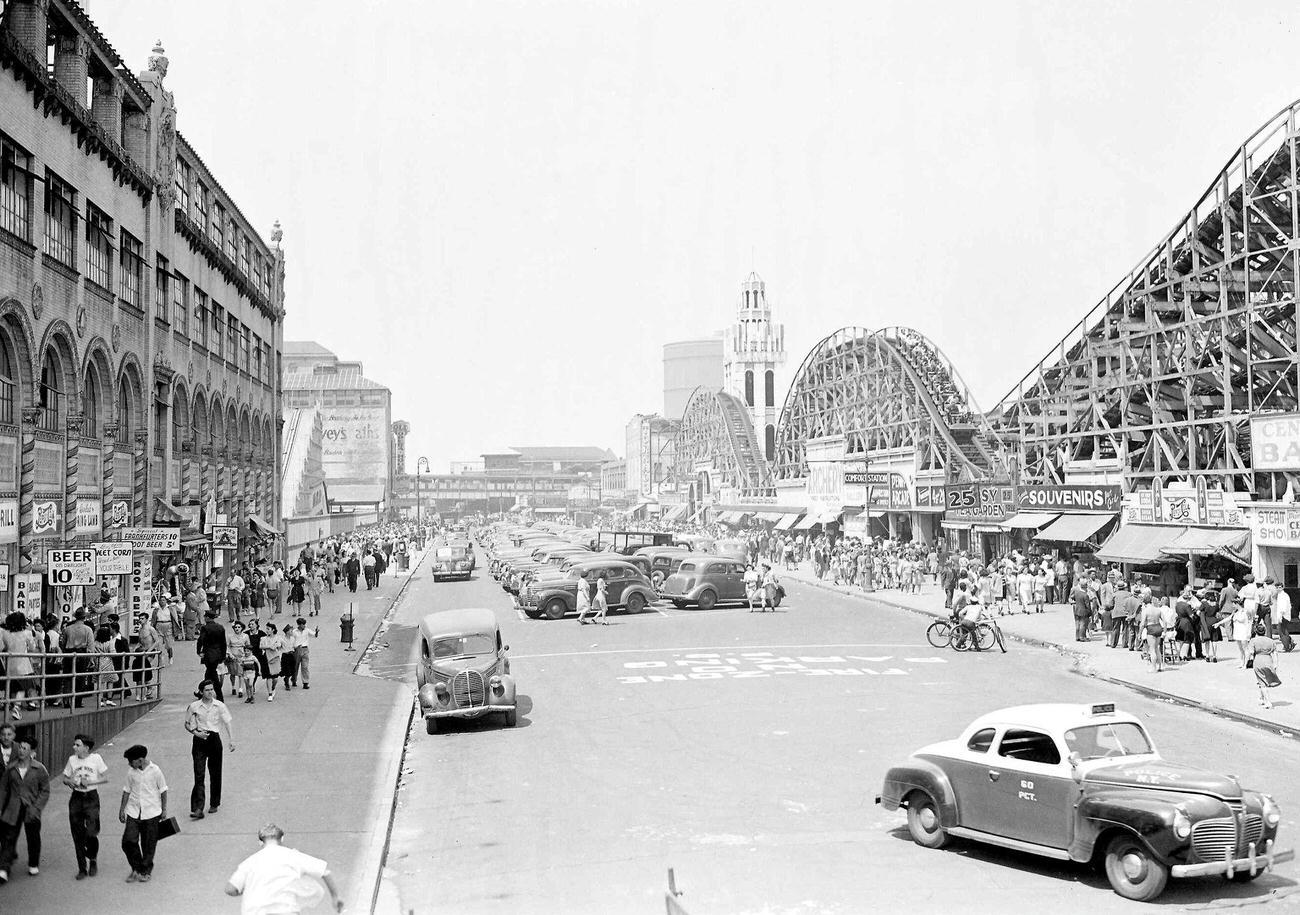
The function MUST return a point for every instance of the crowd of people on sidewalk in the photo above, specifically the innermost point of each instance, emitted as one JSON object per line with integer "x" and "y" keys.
{"x": 237, "y": 655}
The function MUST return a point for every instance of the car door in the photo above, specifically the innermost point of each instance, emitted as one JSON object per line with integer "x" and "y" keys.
{"x": 974, "y": 775}
{"x": 615, "y": 584}
{"x": 1037, "y": 789}
{"x": 735, "y": 581}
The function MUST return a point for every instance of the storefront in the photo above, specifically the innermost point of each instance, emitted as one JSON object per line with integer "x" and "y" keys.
{"x": 1275, "y": 541}
{"x": 975, "y": 516}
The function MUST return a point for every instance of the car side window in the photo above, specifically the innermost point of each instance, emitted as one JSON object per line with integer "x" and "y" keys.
{"x": 980, "y": 741}
{"x": 1030, "y": 746}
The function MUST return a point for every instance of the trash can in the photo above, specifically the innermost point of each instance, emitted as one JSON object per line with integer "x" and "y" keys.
{"x": 345, "y": 624}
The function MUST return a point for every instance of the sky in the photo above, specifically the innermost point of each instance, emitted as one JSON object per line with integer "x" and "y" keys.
{"x": 505, "y": 209}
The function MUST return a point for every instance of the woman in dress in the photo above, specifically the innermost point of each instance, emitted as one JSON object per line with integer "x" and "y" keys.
{"x": 106, "y": 673}
{"x": 1264, "y": 654}
{"x": 770, "y": 585}
{"x": 240, "y": 663}
{"x": 1040, "y": 590}
{"x": 274, "y": 647}
{"x": 1237, "y": 623}
{"x": 257, "y": 592}
{"x": 297, "y": 593}
{"x": 16, "y": 643}
{"x": 1025, "y": 588}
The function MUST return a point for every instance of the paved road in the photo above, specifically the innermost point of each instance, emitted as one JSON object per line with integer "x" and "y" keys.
{"x": 744, "y": 750}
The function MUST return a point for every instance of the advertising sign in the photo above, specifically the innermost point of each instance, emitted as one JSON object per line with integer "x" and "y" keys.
{"x": 113, "y": 558}
{"x": 929, "y": 498}
{"x": 119, "y": 513}
{"x": 139, "y": 598}
{"x": 49, "y": 469}
{"x": 982, "y": 502}
{"x": 1275, "y": 442}
{"x": 355, "y": 442}
{"x": 1182, "y": 504}
{"x": 4, "y": 576}
{"x": 1275, "y": 526}
{"x": 88, "y": 517}
{"x": 8, "y": 520}
{"x": 70, "y": 567}
{"x": 225, "y": 538}
{"x": 47, "y": 518}
{"x": 1070, "y": 498}
{"x": 152, "y": 539}
{"x": 27, "y": 594}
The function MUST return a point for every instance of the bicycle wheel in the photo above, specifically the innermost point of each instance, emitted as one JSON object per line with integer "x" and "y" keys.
{"x": 959, "y": 639}
{"x": 984, "y": 637}
{"x": 1002, "y": 642}
{"x": 938, "y": 633}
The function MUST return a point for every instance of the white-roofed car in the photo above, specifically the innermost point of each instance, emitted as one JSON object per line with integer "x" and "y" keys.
{"x": 463, "y": 671}
{"x": 452, "y": 561}
{"x": 1085, "y": 783}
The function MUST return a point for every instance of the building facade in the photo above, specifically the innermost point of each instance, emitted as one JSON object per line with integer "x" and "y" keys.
{"x": 356, "y": 419}
{"x": 141, "y": 314}
{"x": 690, "y": 364}
{"x": 649, "y": 453}
{"x": 755, "y": 347}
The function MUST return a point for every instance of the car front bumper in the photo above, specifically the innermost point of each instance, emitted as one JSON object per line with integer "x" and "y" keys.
{"x": 1252, "y": 863}
{"x": 474, "y": 712}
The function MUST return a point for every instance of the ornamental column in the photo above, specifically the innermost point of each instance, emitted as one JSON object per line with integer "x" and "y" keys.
{"x": 27, "y": 487}
{"x": 223, "y": 480}
{"x": 205, "y": 456}
{"x": 72, "y": 447}
{"x": 140, "y": 489}
{"x": 108, "y": 457}
{"x": 250, "y": 494}
{"x": 187, "y": 448}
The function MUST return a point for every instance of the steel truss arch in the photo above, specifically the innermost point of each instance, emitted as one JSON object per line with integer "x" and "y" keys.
{"x": 1160, "y": 378}
{"x": 716, "y": 430}
{"x": 883, "y": 390}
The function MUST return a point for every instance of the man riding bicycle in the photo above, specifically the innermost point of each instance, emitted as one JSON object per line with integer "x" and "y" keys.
{"x": 971, "y": 616}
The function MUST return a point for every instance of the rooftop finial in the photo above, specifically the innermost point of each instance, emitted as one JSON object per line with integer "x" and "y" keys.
{"x": 277, "y": 234}
{"x": 158, "y": 59}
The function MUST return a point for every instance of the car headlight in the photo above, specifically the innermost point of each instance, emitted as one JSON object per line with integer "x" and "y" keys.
{"x": 495, "y": 683}
{"x": 1182, "y": 824}
{"x": 441, "y": 689}
{"x": 1272, "y": 813}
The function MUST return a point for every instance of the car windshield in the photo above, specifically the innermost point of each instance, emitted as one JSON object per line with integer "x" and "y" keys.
{"x": 446, "y": 552}
{"x": 686, "y": 567}
{"x": 1097, "y": 741}
{"x": 463, "y": 645}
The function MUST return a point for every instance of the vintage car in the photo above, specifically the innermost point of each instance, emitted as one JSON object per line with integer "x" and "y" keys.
{"x": 452, "y": 561}
{"x": 625, "y": 586}
{"x": 550, "y": 571}
{"x": 664, "y": 561}
{"x": 1085, "y": 783}
{"x": 707, "y": 580}
{"x": 463, "y": 671}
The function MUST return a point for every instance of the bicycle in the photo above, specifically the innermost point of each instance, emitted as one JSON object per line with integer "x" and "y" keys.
{"x": 987, "y": 634}
{"x": 939, "y": 633}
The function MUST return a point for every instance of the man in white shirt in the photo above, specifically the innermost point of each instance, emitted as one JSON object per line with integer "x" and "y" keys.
{"x": 301, "y": 647}
{"x": 144, "y": 806}
{"x": 234, "y": 596}
{"x": 207, "y": 718}
{"x": 274, "y": 587}
{"x": 1280, "y": 616}
{"x": 281, "y": 880}
{"x": 84, "y": 773}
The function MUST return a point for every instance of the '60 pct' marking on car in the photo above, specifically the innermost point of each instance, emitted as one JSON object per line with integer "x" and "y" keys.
{"x": 760, "y": 665}
{"x": 1085, "y": 783}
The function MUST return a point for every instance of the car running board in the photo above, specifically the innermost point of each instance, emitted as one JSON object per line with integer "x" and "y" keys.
{"x": 1046, "y": 851}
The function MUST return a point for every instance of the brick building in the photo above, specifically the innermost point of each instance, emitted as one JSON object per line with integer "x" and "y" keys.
{"x": 140, "y": 312}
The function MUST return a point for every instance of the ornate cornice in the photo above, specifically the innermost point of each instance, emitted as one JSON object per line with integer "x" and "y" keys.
{"x": 187, "y": 446}
{"x": 141, "y": 436}
{"x": 32, "y": 416}
{"x": 75, "y": 424}
{"x": 219, "y": 261}
{"x": 111, "y": 430}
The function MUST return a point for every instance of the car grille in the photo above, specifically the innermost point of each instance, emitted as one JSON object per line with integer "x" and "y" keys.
{"x": 1217, "y": 838}
{"x": 467, "y": 689}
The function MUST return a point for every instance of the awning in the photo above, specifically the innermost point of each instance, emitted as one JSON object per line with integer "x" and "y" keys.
{"x": 544, "y": 510}
{"x": 950, "y": 525}
{"x": 806, "y": 522}
{"x": 695, "y": 518}
{"x": 770, "y": 516}
{"x": 1139, "y": 544}
{"x": 192, "y": 540}
{"x": 675, "y": 512}
{"x": 261, "y": 527}
{"x": 988, "y": 528}
{"x": 1029, "y": 521}
{"x": 786, "y": 522}
{"x": 827, "y": 517}
{"x": 166, "y": 512}
{"x": 636, "y": 508}
{"x": 1201, "y": 541}
{"x": 1074, "y": 528}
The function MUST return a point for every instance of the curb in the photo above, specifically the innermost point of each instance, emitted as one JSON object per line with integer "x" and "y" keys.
{"x": 1151, "y": 693}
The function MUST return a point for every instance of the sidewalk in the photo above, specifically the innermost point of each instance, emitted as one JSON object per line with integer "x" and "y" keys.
{"x": 1222, "y": 688}
{"x": 322, "y": 763}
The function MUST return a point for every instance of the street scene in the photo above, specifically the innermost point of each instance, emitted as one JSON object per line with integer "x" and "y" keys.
{"x": 714, "y": 458}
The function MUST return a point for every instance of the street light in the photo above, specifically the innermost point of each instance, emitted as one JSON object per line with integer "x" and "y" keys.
{"x": 425, "y": 462}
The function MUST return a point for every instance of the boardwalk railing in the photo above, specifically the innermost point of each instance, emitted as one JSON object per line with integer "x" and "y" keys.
{"x": 62, "y": 682}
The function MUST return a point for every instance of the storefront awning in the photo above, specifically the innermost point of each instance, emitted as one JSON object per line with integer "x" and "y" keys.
{"x": 636, "y": 508}
{"x": 1200, "y": 541}
{"x": 675, "y": 512}
{"x": 787, "y": 522}
{"x": 806, "y": 522}
{"x": 770, "y": 516}
{"x": 1139, "y": 544}
{"x": 260, "y": 526}
{"x": 828, "y": 517}
{"x": 988, "y": 528}
{"x": 695, "y": 518}
{"x": 165, "y": 512}
{"x": 950, "y": 525}
{"x": 1074, "y": 528}
{"x": 1029, "y": 521}
{"x": 193, "y": 540}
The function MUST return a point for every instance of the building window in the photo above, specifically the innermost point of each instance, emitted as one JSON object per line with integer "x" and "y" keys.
{"x": 162, "y": 301}
{"x": 232, "y": 241}
{"x": 266, "y": 279}
{"x": 749, "y": 387}
{"x": 243, "y": 254}
{"x": 217, "y": 228}
{"x": 60, "y": 220}
{"x": 246, "y": 356}
{"x": 769, "y": 388}
{"x": 200, "y": 214}
{"x": 218, "y": 328}
{"x": 99, "y": 247}
{"x": 257, "y": 357}
{"x": 257, "y": 272}
{"x": 15, "y": 190}
{"x": 201, "y": 315}
{"x": 132, "y": 264}
{"x": 181, "y": 304}
{"x": 232, "y": 340}
{"x": 184, "y": 178}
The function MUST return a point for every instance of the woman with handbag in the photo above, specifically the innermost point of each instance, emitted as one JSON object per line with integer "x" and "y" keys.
{"x": 1263, "y": 654}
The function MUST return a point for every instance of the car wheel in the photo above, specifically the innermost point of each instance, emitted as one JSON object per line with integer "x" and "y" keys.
{"x": 533, "y": 613}
{"x": 511, "y": 716}
{"x": 707, "y": 600}
{"x": 419, "y": 676}
{"x": 556, "y": 608}
{"x": 1132, "y": 871}
{"x": 431, "y": 725}
{"x": 923, "y": 821}
{"x": 635, "y": 603}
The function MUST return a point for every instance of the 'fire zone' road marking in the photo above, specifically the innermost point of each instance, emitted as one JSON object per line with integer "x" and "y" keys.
{"x": 764, "y": 664}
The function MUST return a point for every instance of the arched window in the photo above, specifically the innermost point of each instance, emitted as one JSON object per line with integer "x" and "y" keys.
{"x": 749, "y": 387}
{"x": 8, "y": 380}
{"x": 180, "y": 420}
{"x": 769, "y": 442}
{"x": 769, "y": 389}
{"x": 125, "y": 411}
{"x": 91, "y": 406}
{"x": 51, "y": 393}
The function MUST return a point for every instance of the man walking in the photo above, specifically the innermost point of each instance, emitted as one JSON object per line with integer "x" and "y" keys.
{"x": 24, "y": 791}
{"x": 275, "y": 587}
{"x": 211, "y": 647}
{"x": 234, "y": 596}
{"x": 1082, "y": 598}
{"x": 84, "y": 773}
{"x": 144, "y": 806}
{"x": 207, "y": 718}
{"x": 281, "y": 880}
{"x": 76, "y": 640}
{"x": 298, "y": 641}
{"x": 8, "y": 748}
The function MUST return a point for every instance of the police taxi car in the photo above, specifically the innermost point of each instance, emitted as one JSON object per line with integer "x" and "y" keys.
{"x": 1085, "y": 783}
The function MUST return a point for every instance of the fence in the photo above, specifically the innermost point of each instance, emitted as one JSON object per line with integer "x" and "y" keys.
{"x": 60, "y": 683}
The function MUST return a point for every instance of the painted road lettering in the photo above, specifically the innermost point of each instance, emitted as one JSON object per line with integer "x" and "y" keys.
{"x": 751, "y": 665}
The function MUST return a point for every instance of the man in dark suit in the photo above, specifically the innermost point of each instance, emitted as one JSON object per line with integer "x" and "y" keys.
{"x": 24, "y": 791}
{"x": 211, "y": 647}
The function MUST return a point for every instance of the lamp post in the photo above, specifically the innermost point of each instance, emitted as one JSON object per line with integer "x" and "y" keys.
{"x": 420, "y": 462}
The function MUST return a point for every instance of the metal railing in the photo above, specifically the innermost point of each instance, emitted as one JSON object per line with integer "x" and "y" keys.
{"x": 61, "y": 682}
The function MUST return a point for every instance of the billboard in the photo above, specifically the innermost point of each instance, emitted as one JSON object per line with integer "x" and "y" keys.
{"x": 355, "y": 443}
{"x": 1069, "y": 498}
{"x": 1275, "y": 442}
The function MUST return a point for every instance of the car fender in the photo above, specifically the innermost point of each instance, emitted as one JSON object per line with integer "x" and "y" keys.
{"x": 648, "y": 593}
{"x": 1146, "y": 815}
{"x": 507, "y": 696}
{"x": 545, "y": 597}
{"x": 927, "y": 776}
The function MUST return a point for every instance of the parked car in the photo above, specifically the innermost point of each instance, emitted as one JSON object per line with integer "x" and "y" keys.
{"x": 463, "y": 671}
{"x": 706, "y": 581}
{"x": 452, "y": 561}
{"x": 625, "y": 587}
{"x": 664, "y": 561}
{"x": 1085, "y": 783}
